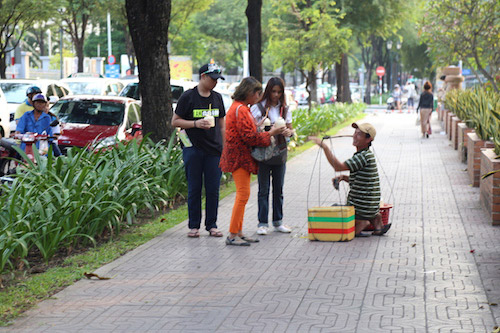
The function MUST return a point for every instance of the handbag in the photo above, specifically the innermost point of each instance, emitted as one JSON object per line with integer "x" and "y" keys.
{"x": 274, "y": 154}
{"x": 277, "y": 152}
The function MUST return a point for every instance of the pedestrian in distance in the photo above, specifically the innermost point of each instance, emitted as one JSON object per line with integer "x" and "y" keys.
{"x": 27, "y": 105}
{"x": 363, "y": 179}
{"x": 241, "y": 136}
{"x": 272, "y": 106}
{"x": 412, "y": 95}
{"x": 426, "y": 106}
{"x": 201, "y": 115}
{"x": 397, "y": 95}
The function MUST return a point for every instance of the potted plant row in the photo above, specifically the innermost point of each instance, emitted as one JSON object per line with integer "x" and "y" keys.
{"x": 474, "y": 130}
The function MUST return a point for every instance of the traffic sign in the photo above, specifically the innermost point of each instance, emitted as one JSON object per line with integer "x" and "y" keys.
{"x": 112, "y": 71}
{"x": 380, "y": 71}
{"x": 111, "y": 59}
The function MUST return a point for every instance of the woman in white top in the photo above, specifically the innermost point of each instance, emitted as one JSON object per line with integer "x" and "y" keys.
{"x": 273, "y": 106}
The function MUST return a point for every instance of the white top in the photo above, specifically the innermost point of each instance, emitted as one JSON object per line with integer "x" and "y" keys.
{"x": 274, "y": 113}
{"x": 410, "y": 90}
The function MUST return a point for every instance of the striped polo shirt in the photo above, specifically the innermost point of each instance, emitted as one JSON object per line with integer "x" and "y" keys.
{"x": 364, "y": 184}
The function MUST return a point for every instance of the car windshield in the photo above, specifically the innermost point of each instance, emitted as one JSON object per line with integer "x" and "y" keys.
{"x": 15, "y": 92}
{"x": 86, "y": 88}
{"x": 104, "y": 113}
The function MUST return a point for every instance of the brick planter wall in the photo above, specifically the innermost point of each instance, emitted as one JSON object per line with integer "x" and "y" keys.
{"x": 490, "y": 186}
{"x": 448, "y": 122}
{"x": 462, "y": 130}
{"x": 474, "y": 145}
{"x": 445, "y": 120}
{"x": 454, "y": 131}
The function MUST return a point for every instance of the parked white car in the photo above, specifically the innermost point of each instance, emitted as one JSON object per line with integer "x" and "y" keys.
{"x": 15, "y": 93}
{"x": 93, "y": 86}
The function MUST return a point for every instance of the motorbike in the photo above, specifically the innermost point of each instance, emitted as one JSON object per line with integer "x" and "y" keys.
{"x": 7, "y": 156}
{"x": 391, "y": 103}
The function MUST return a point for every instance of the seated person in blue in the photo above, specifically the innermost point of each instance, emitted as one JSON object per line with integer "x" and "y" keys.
{"x": 36, "y": 121}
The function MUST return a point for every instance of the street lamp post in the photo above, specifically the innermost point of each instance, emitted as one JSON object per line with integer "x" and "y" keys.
{"x": 398, "y": 47}
{"x": 389, "y": 72}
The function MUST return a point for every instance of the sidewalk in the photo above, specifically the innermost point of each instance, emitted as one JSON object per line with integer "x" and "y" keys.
{"x": 421, "y": 277}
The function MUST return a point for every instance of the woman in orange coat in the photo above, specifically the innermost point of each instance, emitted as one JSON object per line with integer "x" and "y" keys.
{"x": 241, "y": 136}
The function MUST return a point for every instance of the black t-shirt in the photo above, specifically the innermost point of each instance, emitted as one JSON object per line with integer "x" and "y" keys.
{"x": 192, "y": 106}
{"x": 426, "y": 101}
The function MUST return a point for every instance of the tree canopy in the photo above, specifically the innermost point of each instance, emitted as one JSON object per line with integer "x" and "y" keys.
{"x": 305, "y": 35}
{"x": 465, "y": 30}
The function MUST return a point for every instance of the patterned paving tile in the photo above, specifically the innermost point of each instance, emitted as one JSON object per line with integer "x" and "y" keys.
{"x": 437, "y": 270}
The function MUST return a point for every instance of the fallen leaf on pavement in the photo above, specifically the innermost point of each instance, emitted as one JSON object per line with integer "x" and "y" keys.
{"x": 91, "y": 275}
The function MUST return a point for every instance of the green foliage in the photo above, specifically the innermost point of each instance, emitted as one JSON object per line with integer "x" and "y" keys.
{"x": 303, "y": 36}
{"x": 479, "y": 109}
{"x": 101, "y": 38}
{"x": 321, "y": 118}
{"x": 15, "y": 17}
{"x": 216, "y": 30}
{"x": 68, "y": 201}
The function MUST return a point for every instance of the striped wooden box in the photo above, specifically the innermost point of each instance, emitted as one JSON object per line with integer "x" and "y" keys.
{"x": 331, "y": 224}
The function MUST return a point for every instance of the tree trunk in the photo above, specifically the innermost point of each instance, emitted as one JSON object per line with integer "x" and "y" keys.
{"x": 148, "y": 24}
{"x": 253, "y": 13}
{"x": 312, "y": 88}
{"x": 3, "y": 66}
{"x": 342, "y": 73}
{"x": 368, "y": 93}
{"x": 130, "y": 51}
{"x": 79, "y": 53}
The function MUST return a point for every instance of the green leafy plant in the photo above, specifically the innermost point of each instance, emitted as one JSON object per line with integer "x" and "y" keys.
{"x": 70, "y": 201}
{"x": 321, "y": 118}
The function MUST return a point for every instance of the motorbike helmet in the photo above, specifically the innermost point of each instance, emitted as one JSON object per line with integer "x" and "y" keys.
{"x": 33, "y": 90}
{"x": 40, "y": 97}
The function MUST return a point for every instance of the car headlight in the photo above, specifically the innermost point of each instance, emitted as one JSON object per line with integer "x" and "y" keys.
{"x": 109, "y": 141}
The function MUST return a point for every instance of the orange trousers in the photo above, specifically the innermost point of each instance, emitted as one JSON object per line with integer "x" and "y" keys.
{"x": 242, "y": 181}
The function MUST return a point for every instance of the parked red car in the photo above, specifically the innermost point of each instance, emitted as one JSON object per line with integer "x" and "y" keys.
{"x": 101, "y": 120}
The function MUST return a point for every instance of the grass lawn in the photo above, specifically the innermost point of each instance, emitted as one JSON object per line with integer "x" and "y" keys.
{"x": 31, "y": 289}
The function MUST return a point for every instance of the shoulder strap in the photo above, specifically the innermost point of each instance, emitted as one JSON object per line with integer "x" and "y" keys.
{"x": 263, "y": 111}
{"x": 237, "y": 110}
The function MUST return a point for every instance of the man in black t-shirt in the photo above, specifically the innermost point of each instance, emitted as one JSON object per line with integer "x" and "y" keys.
{"x": 200, "y": 114}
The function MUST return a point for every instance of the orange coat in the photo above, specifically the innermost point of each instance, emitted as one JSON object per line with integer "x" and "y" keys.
{"x": 241, "y": 136}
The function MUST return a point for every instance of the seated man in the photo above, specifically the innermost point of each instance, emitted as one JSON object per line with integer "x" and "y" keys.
{"x": 37, "y": 120}
{"x": 364, "y": 193}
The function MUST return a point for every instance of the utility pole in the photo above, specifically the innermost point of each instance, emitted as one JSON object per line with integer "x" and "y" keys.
{"x": 61, "y": 51}
{"x": 109, "y": 35}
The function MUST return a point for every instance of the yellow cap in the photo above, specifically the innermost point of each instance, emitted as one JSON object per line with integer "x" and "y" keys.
{"x": 366, "y": 128}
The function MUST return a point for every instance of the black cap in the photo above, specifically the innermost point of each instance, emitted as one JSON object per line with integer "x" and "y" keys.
{"x": 211, "y": 70}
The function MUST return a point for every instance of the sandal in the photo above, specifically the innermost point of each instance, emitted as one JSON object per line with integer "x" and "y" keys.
{"x": 383, "y": 231}
{"x": 215, "y": 233}
{"x": 250, "y": 240}
{"x": 236, "y": 242}
{"x": 193, "y": 233}
{"x": 362, "y": 234}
